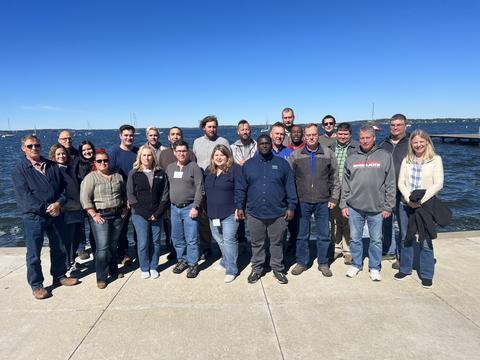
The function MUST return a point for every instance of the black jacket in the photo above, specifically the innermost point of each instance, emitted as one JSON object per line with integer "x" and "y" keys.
{"x": 398, "y": 151}
{"x": 147, "y": 201}
{"x": 72, "y": 189}
{"x": 423, "y": 220}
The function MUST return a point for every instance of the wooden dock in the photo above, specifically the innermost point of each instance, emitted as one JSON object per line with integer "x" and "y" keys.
{"x": 458, "y": 138}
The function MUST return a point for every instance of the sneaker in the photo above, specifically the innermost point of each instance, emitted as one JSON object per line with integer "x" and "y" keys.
{"x": 400, "y": 276}
{"x": 396, "y": 265}
{"x": 389, "y": 257}
{"x": 325, "y": 270}
{"x": 192, "y": 271}
{"x": 145, "y": 274}
{"x": 427, "y": 283}
{"x": 172, "y": 255}
{"x": 180, "y": 267}
{"x": 347, "y": 259}
{"x": 375, "y": 275}
{"x": 298, "y": 269}
{"x": 154, "y": 274}
{"x": 253, "y": 277}
{"x": 41, "y": 293}
{"x": 352, "y": 271}
{"x": 83, "y": 255}
{"x": 280, "y": 276}
{"x": 229, "y": 278}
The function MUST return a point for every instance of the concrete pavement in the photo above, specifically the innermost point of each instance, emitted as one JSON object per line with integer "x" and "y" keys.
{"x": 312, "y": 317}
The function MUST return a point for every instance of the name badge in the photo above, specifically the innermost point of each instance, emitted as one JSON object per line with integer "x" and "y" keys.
{"x": 216, "y": 222}
{"x": 178, "y": 174}
{"x": 274, "y": 167}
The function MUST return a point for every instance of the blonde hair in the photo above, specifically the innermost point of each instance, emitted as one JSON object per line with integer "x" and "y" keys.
{"x": 429, "y": 150}
{"x": 225, "y": 151}
{"x": 137, "y": 165}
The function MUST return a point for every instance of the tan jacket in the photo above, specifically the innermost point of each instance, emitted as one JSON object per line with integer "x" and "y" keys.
{"x": 432, "y": 178}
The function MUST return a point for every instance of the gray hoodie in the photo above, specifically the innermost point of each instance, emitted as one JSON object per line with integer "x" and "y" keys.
{"x": 369, "y": 181}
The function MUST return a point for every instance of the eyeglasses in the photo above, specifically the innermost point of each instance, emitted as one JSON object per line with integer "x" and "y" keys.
{"x": 311, "y": 136}
{"x": 328, "y": 124}
{"x": 31, "y": 146}
{"x": 99, "y": 161}
{"x": 66, "y": 139}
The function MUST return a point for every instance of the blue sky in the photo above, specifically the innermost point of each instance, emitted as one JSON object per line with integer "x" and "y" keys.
{"x": 70, "y": 63}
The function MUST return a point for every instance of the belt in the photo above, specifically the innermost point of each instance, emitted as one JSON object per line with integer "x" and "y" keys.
{"x": 182, "y": 205}
{"x": 112, "y": 210}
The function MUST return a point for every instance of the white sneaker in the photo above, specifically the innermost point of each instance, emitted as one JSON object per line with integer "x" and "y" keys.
{"x": 375, "y": 275}
{"x": 154, "y": 274}
{"x": 229, "y": 278}
{"x": 352, "y": 271}
{"x": 145, "y": 274}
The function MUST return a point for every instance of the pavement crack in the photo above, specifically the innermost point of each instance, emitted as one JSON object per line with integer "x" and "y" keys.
{"x": 99, "y": 317}
{"x": 12, "y": 271}
{"x": 456, "y": 310}
{"x": 273, "y": 322}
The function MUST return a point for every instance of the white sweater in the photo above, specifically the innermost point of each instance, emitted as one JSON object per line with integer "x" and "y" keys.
{"x": 432, "y": 178}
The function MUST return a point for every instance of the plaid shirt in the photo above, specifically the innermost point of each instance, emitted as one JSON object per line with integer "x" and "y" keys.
{"x": 341, "y": 155}
{"x": 416, "y": 175}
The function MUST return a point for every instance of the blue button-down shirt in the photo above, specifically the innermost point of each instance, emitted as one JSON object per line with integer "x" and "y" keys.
{"x": 267, "y": 186}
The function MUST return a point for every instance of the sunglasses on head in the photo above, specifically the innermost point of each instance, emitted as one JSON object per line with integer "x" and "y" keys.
{"x": 99, "y": 161}
{"x": 31, "y": 146}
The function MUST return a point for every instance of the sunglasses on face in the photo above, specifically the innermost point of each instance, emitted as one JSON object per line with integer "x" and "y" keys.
{"x": 66, "y": 139}
{"x": 328, "y": 123}
{"x": 31, "y": 146}
{"x": 99, "y": 161}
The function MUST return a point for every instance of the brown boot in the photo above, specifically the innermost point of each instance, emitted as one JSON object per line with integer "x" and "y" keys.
{"x": 65, "y": 281}
{"x": 347, "y": 259}
{"x": 101, "y": 284}
{"x": 41, "y": 293}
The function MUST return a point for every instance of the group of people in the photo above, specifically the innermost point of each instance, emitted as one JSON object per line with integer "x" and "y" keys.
{"x": 273, "y": 186}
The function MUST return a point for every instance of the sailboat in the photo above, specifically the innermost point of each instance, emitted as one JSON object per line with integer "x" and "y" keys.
{"x": 373, "y": 122}
{"x": 133, "y": 118}
{"x": 8, "y": 133}
{"x": 266, "y": 128}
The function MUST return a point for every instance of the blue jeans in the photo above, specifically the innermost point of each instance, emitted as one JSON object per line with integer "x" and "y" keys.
{"x": 225, "y": 236}
{"x": 106, "y": 238}
{"x": 184, "y": 234}
{"x": 320, "y": 213}
{"x": 427, "y": 262}
{"x": 148, "y": 241}
{"x": 356, "y": 220}
{"x": 34, "y": 228}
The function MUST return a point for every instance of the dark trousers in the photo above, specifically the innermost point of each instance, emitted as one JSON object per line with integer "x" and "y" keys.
{"x": 262, "y": 230}
{"x": 34, "y": 228}
{"x": 122, "y": 246}
{"x": 204, "y": 230}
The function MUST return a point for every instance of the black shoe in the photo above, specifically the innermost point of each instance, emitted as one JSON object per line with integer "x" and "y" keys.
{"x": 280, "y": 276}
{"x": 427, "y": 283}
{"x": 253, "y": 277}
{"x": 400, "y": 276}
{"x": 388, "y": 257}
{"x": 192, "y": 271}
{"x": 171, "y": 255}
{"x": 206, "y": 253}
{"x": 396, "y": 265}
{"x": 180, "y": 267}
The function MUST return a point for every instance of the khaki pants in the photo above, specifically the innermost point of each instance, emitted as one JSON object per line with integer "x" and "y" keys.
{"x": 340, "y": 232}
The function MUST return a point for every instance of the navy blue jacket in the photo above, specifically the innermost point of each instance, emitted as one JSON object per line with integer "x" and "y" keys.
{"x": 220, "y": 192}
{"x": 267, "y": 186}
{"x": 35, "y": 191}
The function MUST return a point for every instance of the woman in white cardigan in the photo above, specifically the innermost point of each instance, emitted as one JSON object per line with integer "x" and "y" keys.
{"x": 422, "y": 168}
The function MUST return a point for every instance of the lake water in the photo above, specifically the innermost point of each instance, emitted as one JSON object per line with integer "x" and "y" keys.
{"x": 461, "y": 191}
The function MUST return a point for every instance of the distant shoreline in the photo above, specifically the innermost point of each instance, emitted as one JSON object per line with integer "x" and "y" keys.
{"x": 377, "y": 121}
